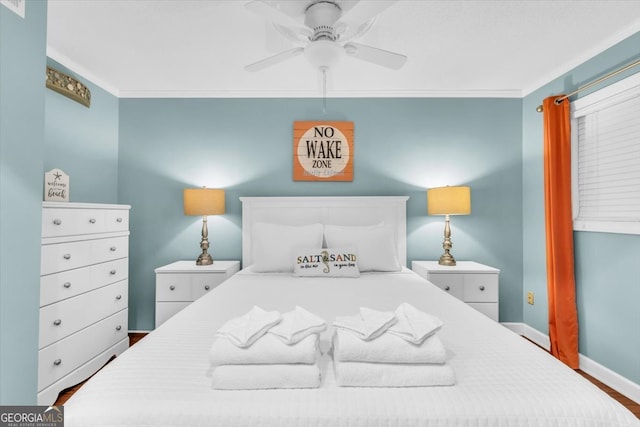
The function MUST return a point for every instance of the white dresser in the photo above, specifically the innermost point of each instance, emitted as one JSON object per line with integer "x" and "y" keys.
{"x": 474, "y": 283}
{"x": 180, "y": 283}
{"x": 83, "y": 292}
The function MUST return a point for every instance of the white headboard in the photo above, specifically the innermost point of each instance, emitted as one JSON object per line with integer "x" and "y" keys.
{"x": 358, "y": 210}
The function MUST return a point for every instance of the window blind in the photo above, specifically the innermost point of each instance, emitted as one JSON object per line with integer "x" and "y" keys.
{"x": 606, "y": 159}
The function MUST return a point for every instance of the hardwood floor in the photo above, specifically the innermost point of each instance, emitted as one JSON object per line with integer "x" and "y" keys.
{"x": 625, "y": 401}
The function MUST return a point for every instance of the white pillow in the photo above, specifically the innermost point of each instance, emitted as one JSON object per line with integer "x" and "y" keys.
{"x": 325, "y": 263}
{"x": 375, "y": 246}
{"x": 272, "y": 244}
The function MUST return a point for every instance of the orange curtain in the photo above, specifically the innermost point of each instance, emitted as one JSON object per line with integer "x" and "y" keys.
{"x": 561, "y": 288}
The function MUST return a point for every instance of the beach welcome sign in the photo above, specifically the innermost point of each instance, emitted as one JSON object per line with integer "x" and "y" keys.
{"x": 322, "y": 151}
{"x": 56, "y": 186}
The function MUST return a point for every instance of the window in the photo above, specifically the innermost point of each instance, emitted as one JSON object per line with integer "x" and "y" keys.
{"x": 606, "y": 159}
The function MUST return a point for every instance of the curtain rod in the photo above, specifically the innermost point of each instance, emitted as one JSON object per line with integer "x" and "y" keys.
{"x": 594, "y": 82}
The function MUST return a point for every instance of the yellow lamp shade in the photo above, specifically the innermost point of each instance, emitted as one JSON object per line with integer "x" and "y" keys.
{"x": 203, "y": 201}
{"x": 449, "y": 201}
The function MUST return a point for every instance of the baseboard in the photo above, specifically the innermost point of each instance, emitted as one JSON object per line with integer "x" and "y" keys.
{"x": 614, "y": 380}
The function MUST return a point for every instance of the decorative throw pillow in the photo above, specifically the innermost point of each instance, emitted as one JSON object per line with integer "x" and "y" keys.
{"x": 325, "y": 263}
{"x": 375, "y": 246}
{"x": 274, "y": 243}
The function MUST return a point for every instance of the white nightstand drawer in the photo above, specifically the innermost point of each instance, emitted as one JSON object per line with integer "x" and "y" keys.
{"x": 480, "y": 287}
{"x": 203, "y": 283}
{"x": 173, "y": 287}
{"x": 452, "y": 283}
{"x": 490, "y": 309}
{"x": 165, "y": 310}
{"x": 66, "y": 317}
{"x": 57, "y": 360}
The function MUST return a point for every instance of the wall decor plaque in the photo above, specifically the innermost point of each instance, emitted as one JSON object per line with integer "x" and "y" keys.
{"x": 56, "y": 186}
{"x": 322, "y": 151}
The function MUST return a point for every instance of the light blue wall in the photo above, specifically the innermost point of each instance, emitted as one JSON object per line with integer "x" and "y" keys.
{"x": 402, "y": 147}
{"x": 83, "y": 142}
{"x": 607, "y": 265}
{"x": 22, "y": 66}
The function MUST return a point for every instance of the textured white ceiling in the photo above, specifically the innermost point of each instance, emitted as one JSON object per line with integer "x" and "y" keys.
{"x": 166, "y": 48}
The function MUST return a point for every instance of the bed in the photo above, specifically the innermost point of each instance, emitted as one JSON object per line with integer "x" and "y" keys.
{"x": 501, "y": 379}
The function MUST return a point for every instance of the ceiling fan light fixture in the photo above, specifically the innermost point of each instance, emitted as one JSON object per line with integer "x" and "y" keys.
{"x": 323, "y": 54}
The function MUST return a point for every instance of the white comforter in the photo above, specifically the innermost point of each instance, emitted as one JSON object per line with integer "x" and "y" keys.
{"x": 502, "y": 380}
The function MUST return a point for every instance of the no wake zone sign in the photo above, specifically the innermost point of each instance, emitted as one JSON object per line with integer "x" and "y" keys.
{"x": 322, "y": 151}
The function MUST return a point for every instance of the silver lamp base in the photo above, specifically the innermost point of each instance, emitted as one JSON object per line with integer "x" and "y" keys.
{"x": 447, "y": 258}
{"x": 204, "y": 258}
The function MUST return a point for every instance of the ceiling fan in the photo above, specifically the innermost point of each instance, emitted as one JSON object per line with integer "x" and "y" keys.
{"x": 324, "y": 28}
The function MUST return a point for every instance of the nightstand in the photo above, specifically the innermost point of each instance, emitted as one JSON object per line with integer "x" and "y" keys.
{"x": 475, "y": 284}
{"x": 180, "y": 283}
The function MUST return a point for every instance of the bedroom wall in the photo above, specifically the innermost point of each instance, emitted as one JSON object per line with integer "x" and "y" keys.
{"x": 402, "y": 147}
{"x": 607, "y": 265}
{"x": 83, "y": 142}
{"x": 22, "y": 66}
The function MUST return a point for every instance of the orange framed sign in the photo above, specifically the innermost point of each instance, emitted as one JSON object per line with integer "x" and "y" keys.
{"x": 322, "y": 151}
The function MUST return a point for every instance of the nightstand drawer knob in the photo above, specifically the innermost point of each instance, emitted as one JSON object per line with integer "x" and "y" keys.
{"x": 92, "y": 221}
{"x": 172, "y": 287}
{"x": 481, "y": 287}
{"x": 57, "y": 322}
{"x": 57, "y": 362}
{"x": 118, "y": 328}
{"x": 112, "y": 248}
{"x": 447, "y": 288}
{"x": 118, "y": 297}
{"x": 113, "y": 272}
{"x": 66, "y": 256}
{"x": 118, "y": 219}
{"x": 67, "y": 285}
{"x": 207, "y": 287}
{"x": 57, "y": 221}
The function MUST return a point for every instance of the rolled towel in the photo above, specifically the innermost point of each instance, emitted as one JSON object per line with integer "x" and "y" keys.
{"x": 268, "y": 349}
{"x": 296, "y": 325}
{"x": 387, "y": 348}
{"x": 255, "y": 377}
{"x": 368, "y": 324}
{"x": 363, "y": 374}
{"x": 414, "y": 325}
{"x": 245, "y": 330}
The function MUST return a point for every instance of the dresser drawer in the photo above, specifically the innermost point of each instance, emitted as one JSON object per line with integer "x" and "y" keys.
{"x": 66, "y": 256}
{"x": 480, "y": 287}
{"x": 59, "y": 286}
{"x": 64, "y": 356}
{"x": 173, "y": 287}
{"x": 63, "y": 318}
{"x": 117, "y": 219}
{"x": 69, "y": 222}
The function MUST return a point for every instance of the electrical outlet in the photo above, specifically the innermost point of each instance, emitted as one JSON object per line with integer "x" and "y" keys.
{"x": 530, "y": 298}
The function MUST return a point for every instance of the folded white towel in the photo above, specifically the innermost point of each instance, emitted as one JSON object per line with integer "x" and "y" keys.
{"x": 249, "y": 377}
{"x": 362, "y": 374}
{"x": 414, "y": 325}
{"x": 297, "y": 325}
{"x": 268, "y": 349}
{"x": 246, "y": 329}
{"x": 368, "y": 324}
{"x": 387, "y": 348}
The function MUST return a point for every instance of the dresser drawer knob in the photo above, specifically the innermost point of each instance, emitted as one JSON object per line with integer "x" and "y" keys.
{"x": 66, "y": 256}
{"x": 67, "y": 285}
{"x": 481, "y": 287}
{"x": 113, "y": 272}
{"x": 57, "y": 221}
{"x": 118, "y": 297}
{"x": 57, "y": 362}
{"x": 92, "y": 220}
{"x": 57, "y": 322}
{"x": 172, "y": 287}
{"x": 207, "y": 287}
{"x": 447, "y": 288}
{"x": 118, "y": 328}
{"x": 112, "y": 248}
{"x": 118, "y": 219}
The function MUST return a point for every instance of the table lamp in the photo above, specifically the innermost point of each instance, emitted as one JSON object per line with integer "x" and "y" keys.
{"x": 448, "y": 201}
{"x": 203, "y": 201}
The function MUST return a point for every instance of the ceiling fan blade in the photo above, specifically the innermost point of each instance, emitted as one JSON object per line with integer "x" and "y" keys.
{"x": 278, "y": 15}
{"x": 374, "y": 55}
{"x": 275, "y": 59}
{"x": 364, "y": 11}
